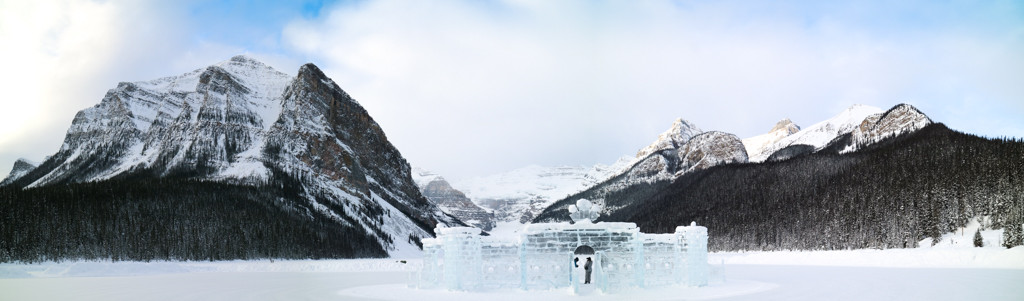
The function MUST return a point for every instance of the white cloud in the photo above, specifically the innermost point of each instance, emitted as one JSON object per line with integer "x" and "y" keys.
{"x": 51, "y": 52}
{"x": 61, "y": 56}
{"x": 467, "y": 88}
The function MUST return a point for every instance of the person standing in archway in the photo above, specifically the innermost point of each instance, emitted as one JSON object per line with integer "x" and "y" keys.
{"x": 587, "y": 267}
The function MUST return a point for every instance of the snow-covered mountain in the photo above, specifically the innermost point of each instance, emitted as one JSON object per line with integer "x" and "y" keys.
{"x": 682, "y": 149}
{"x": 864, "y": 124}
{"x": 820, "y": 134}
{"x": 452, "y": 201}
{"x": 680, "y": 132}
{"x": 21, "y": 168}
{"x": 758, "y": 144}
{"x": 242, "y": 122}
{"x": 902, "y": 118}
{"x": 518, "y": 195}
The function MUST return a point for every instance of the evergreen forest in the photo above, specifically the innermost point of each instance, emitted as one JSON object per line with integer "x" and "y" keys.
{"x": 891, "y": 194}
{"x": 172, "y": 218}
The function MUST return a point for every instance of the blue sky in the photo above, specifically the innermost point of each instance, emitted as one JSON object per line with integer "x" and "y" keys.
{"x": 468, "y": 88}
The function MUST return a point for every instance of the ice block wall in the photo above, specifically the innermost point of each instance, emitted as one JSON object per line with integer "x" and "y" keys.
{"x": 542, "y": 258}
{"x": 461, "y": 257}
{"x": 661, "y": 256}
{"x": 430, "y": 275}
{"x": 694, "y": 242}
{"x": 500, "y": 263}
{"x": 546, "y": 248}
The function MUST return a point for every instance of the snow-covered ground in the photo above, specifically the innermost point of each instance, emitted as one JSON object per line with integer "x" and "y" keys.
{"x": 951, "y": 269}
{"x": 952, "y": 273}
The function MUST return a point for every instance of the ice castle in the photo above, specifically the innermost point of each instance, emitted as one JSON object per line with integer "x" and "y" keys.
{"x": 544, "y": 256}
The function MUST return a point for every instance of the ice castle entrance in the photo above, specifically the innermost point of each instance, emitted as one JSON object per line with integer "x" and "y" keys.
{"x": 579, "y": 261}
{"x": 544, "y": 256}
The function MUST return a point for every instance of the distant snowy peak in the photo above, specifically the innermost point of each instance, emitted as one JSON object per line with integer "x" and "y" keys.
{"x": 680, "y": 132}
{"x": 455, "y": 203}
{"x": 757, "y": 144}
{"x": 902, "y": 118}
{"x": 518, "y": 195}
{"x": 21, "y": 167}
{"x": 822, "y": 133}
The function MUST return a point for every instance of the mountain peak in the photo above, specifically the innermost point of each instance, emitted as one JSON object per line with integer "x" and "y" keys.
{"x": 242, "y": 58}
{"x": 311, "y": 70}
{"x": 786, "y": 126}
{"x": 757, "y": 146}
{"x": 681, "y": 124}
{"x": 677, "y": 135}
{"x": 906, "y": 109}
{"x": 21, "y": 167}
{"x": 901, "y": 118}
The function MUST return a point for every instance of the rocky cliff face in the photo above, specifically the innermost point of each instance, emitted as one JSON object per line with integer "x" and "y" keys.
{"x": 690, "y": 150}
{"x": 456, "y": 203}
{"x": 709, "y": 149}
{"x": 242, "y": 122}
{"x": 902, "y": 118}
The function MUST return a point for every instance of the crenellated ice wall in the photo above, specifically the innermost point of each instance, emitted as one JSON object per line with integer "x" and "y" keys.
{"x": 542, "y": 257}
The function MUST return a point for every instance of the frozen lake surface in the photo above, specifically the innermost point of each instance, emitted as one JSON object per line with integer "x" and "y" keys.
{"x": 915, "y": 274}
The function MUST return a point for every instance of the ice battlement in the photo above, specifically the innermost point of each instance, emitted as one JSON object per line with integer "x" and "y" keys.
{"x": 548, "y": 255}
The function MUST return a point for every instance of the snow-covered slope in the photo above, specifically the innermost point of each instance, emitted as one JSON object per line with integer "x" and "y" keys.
{"x": 757, "y": 145}
{"x": 240, "y": 121}
{"x": 213, "y": 121}
{"x": 902, "y": 118}
{"x": 820, "y": 134}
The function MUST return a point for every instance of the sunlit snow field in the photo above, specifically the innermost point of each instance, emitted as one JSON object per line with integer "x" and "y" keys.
{"x": 950, "y": 270}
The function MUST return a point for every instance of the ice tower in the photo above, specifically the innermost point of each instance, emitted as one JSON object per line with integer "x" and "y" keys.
{"x": 544, "y": 256}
